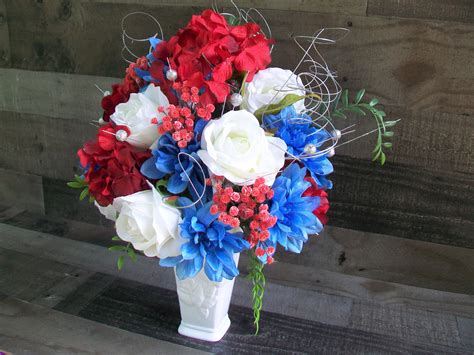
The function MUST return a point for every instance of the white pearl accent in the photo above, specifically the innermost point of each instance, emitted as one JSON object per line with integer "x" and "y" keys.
{"x": 236, "y": 100}
{"x": 331, "y": 153}
{"x": 121, "y": 135}
{"x": 310, "y": 149}
{"x": 106, "y": 93}
{"x": 337, "y": 134}
{"x": 101, "y": 121}
{"x": 171, "y": 75}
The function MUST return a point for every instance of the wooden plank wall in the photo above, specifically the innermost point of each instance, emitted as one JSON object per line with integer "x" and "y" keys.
{"x": 415, "y": 55}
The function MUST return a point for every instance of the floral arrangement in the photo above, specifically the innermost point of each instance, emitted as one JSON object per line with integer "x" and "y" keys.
{"x": 204, "y": 151}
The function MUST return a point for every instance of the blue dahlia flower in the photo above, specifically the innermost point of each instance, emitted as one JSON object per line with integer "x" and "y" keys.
{"x": 294, "y": 212}
{"x": 167, "y": 160}
{"x": 298, "y": 131}
{"x": 210, "y": 244}
{"x": 275, "y": 121}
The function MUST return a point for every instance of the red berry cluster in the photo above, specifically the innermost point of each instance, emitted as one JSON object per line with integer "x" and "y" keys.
{"x": 190, "y": 95}
{"x": 246, "y": 207}
{"x": 179, "y": 121}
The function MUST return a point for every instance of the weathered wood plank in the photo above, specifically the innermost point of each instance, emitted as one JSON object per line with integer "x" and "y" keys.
{"x": 368, "y": 290}
{"x": 313, "y": 305}
{"x": 403, "y": 201}
{"x": 21, "y": 190}
{"x": 47, "y": 146}
{"x": 5, "y": 51}
{"x": 406, "y": 323}
{"x": 421, "y": 65}
{"x": 445, "y": 10}
{"x": 446, "y": 147}
{"x": 466, "y": 331}
{"x": 387, "y": 258}
{"x": 31, "y": 329}
{"x": 154, "y": 312}
{"x": 53, "y": 94}
{"x": 356, "y": 7}
{"x": 37, "y": 280}
{"x": 312, "y": 276}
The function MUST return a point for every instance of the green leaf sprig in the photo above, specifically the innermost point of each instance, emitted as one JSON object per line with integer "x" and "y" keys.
{"x": 258, "y": 288}
{"x": 80, "y": 183}
{"x": 358, "y": 107}
{"x": 127, "y": 249}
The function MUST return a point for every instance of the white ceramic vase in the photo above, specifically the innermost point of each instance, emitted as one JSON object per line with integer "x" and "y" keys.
{"x": 204, "y": 305}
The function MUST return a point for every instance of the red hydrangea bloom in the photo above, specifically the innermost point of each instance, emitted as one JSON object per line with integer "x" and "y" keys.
{"x": 112, "y": 167}
{"x": 323, "y": 208}
{"x": 206, "y": 52}
{"x": 121, "y": 92}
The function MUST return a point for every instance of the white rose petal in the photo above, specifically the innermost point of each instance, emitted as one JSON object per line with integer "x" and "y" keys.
{"x": 137, "y": 114}
{"x": 236, "y": 147}
{"x": 149, "y": 224}
{"x": 270, "y": 86}
{"x": 108, "y": 211}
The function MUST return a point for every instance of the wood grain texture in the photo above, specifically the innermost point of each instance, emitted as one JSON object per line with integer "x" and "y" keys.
{"x": 21, "y": 190}
{"x": 5, "y": 51}
{"x": 154, "y": 312}
{"x": 31, "y": 329}
{"x": 54, "y": 95}
{"x": 407, "y": 323}
{"x": 403, "y": 201}
{"x": 312, "y": 272}
{"x": 38, "y": 280}
{"x": 356, "y": 7}
{"x": 445, "y": 10}
{"x": 420, "y": 65}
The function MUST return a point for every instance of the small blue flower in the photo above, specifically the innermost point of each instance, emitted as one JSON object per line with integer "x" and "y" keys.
{"x": 210, "y": 244}
{"x": 179, "y": 164}
{"x": 298, "y": 131}
{"x": 294, "y": 212}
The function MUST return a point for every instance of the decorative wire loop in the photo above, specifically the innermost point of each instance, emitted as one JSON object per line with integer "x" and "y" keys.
{"x": 126, "y": 37}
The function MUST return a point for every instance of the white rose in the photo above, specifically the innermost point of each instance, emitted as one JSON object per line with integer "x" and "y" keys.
{"x": 236, "y": 147}
{"x": 149, "y": 224}
{"x": 108, "y": 211}
{"x": 270, "y": 86}
{"x": 137, "y": 114}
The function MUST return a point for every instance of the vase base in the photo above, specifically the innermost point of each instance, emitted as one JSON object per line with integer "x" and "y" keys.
{"x": 207, "y": 334}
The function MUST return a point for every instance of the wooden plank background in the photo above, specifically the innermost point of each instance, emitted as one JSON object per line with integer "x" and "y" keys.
{"x": 416, "y": 56}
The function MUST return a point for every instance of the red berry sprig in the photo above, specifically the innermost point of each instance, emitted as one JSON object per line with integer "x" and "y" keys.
{"x": 245, "y": 207}
{"x": 179, "y": 122}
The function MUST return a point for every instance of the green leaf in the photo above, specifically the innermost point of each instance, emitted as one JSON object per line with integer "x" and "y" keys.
{"x": 120, "y": 262}
{"x": 373, "y": 102}
{"x": 359, "y": 96}
{"x": 79, "y": 179}
{"x": 345, "y": 98}
{"x": 84, "y": 194}
{"x": 161, "y": 182}
{"x": 382, "y": 158}
{"x": 117, "y": 248}
{"x": 75, "y": 185}
{"x": 131, "y": 254}
{"x": 91, "y": 199}
{"x": 375, "y": 155}
{"x": 388, "y": 134}
{"x": 116, "y": 238}
{"x": 356, "y": 109}
{"x": 288, "y": 100}
{"x": 387, "y": 145}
